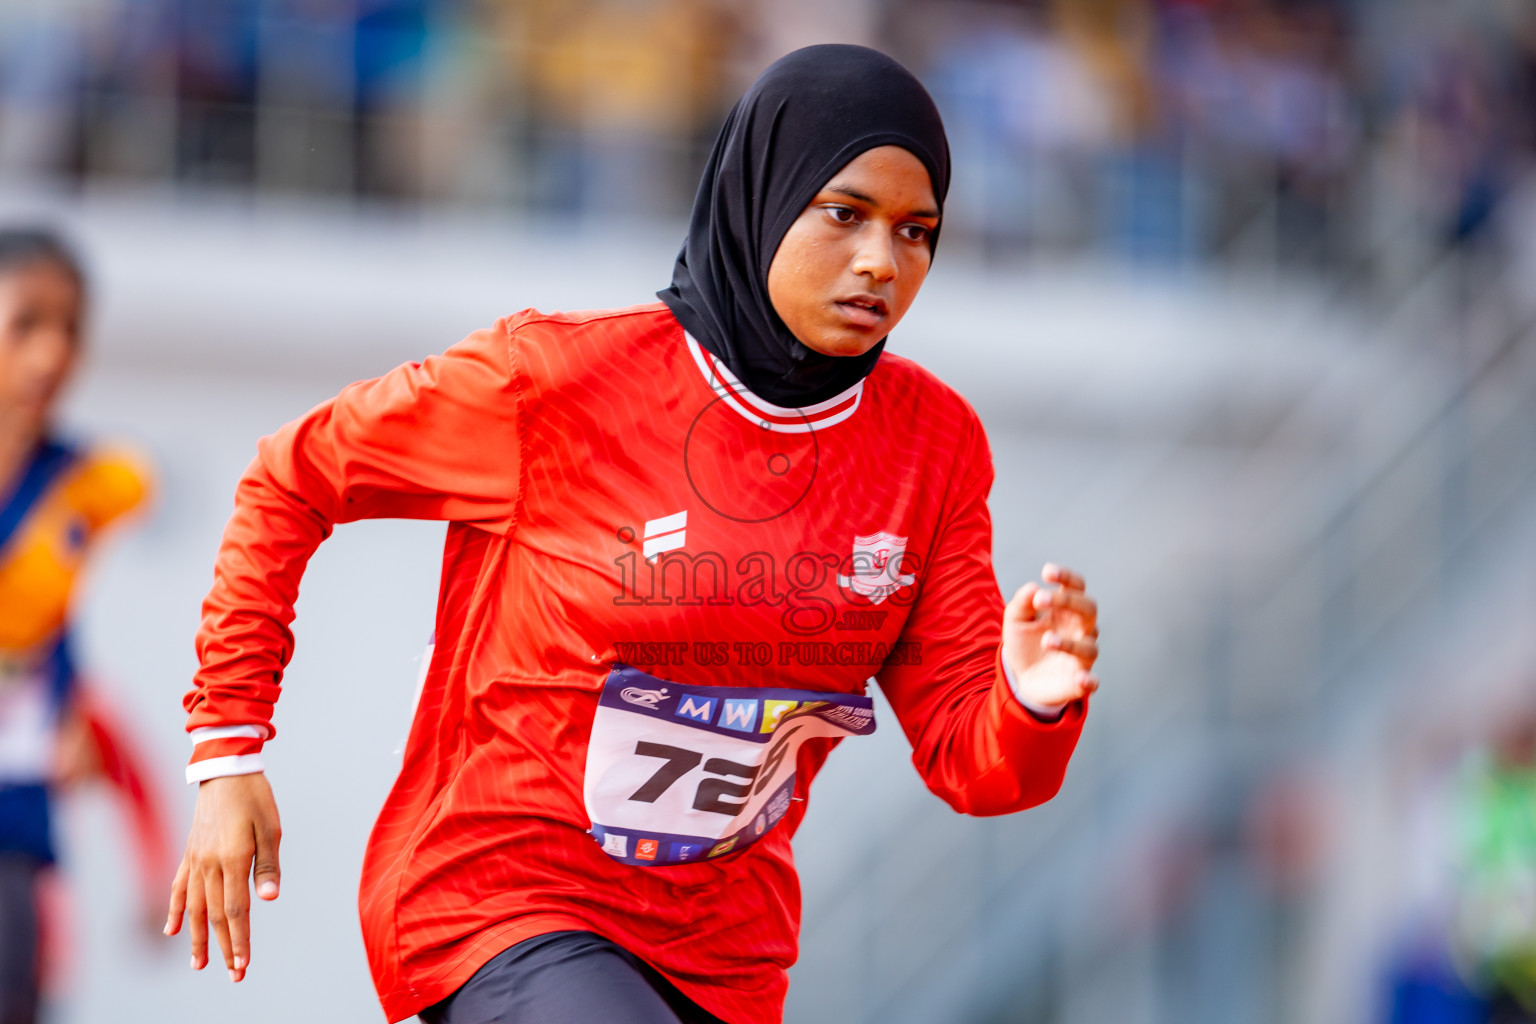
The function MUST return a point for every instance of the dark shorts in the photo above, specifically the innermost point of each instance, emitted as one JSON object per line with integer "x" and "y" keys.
{"x": 18, "y": 938}
{"x": 567, "y": 978}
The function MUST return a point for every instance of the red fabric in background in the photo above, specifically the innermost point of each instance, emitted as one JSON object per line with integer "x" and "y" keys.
{"x": 123, "y": 768}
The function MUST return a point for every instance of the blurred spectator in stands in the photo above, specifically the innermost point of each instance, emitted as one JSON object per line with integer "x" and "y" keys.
{"x": 618, "y": 89}
{"x": 41, "y": 66}
{"x": 1259, "y": 97}
{"x": 1032, "y": 122}
{"x": 128, "y": 100}
{"x": 216, "y": 79}
{"x": 307, "y": 89}
{"x": 1270, "y": 130}
{"x": 1143, "y": 209}
{"x": 1452, "y": 100}
{"x": 390, "y": 51}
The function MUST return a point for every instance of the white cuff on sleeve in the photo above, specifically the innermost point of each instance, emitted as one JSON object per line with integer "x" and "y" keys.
{"x": 1044, "y": 712}
{"x": 220, "y": 767}
{"x": 228, "y": 732}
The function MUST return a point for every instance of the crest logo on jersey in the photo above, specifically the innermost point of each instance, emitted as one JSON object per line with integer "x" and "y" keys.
{"x": 877, "y": 561}
{"x": 643, "y": 697}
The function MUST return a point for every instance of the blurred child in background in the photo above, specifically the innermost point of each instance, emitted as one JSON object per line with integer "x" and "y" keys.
{"x": 55, "y": 499}
{"x": 1496, "y": 912}
{"x": 1468, "y": 955}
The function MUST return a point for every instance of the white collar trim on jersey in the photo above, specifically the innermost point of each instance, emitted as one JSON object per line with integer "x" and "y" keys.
{"x": 765, "y": 414}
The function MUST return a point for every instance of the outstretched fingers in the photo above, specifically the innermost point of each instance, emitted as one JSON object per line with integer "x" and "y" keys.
{"x": 1058, "y": 679}
{"x": 1074, "y": 606}
{"x": 178, "y": 905}
{"x": 1085, "y": 650}
{"x": 197, "y": 919}
{"x": 237, "y": 916}
{"x": 1050, "y": 639}
{"x": 267, "y": 870}
{"x": 1022, "y": 607}
{"x": 1062, "y": 577}
{"x": 234, "y": 836}
{"x": 218, "y": 917}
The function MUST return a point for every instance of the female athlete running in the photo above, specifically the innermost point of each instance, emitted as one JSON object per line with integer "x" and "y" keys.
{"x": 55, "y": 498}
{"x": 683, "y": 537}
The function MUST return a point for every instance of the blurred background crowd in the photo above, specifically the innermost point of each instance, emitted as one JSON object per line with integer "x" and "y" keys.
{"x": 1185, "y": 129}
{"x": 1250, "y": 284}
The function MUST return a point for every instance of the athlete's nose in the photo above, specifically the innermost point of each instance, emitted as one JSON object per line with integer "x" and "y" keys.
{"x": 876, "y": 257}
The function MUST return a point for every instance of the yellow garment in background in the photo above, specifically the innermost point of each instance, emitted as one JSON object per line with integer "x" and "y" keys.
{"x": 43, "y": 558}
{"x": 610, "y": 65}
{"x": 1114, "y": 39}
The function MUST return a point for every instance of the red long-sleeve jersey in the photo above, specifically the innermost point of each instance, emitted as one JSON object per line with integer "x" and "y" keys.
{"x": 615, "y": 497}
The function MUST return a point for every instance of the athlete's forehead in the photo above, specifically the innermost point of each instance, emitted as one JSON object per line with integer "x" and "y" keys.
{"x": 889, "y": 179}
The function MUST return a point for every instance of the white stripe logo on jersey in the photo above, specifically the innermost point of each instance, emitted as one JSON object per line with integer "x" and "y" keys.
{"x": 665, "y": 534}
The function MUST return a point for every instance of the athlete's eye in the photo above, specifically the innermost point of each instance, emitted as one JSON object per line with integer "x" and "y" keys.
{"x": 842, "y": 214}
{"x": 913, "y": 232}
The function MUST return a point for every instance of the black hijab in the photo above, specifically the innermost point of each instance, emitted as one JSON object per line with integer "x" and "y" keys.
{"x": 810, "y": 114}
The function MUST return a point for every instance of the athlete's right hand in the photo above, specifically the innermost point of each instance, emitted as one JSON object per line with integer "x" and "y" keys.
{"x": 233, "y": 827}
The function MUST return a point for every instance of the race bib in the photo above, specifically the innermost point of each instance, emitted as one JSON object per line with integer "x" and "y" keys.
{"x": 684, "y": 773}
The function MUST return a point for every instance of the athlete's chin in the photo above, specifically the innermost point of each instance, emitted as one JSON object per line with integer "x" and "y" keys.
{"x": 845, "y": 341}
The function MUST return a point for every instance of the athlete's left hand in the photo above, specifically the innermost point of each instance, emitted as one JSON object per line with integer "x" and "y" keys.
{"x": 1050, "y": 638}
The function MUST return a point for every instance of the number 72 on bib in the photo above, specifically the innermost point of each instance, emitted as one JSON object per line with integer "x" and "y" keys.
{"x": 683, "y": 773}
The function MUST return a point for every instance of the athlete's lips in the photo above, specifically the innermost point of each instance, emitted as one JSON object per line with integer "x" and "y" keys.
{"x": 863, "y": 310}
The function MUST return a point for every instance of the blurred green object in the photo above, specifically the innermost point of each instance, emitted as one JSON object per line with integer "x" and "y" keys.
{"x": 1496, "y": 912}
